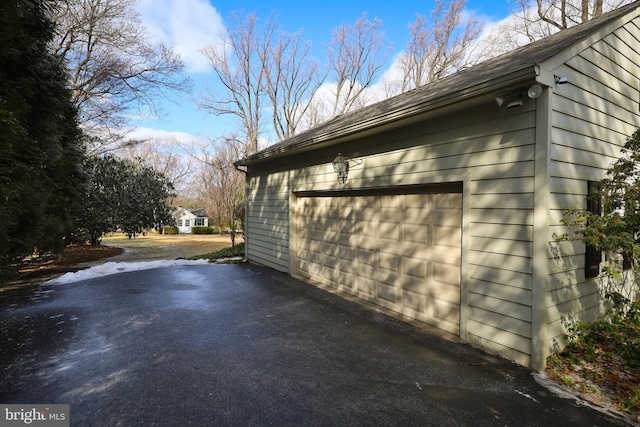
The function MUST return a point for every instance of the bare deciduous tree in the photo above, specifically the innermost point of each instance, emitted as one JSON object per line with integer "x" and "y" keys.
{"x": 166, "y": 155}
{"x": 292, "y": 80}
{"x": 355, "y": 56}
{"x": 221, "y": 185}
{"x": 114, "y": 67}
{"x": 439, "y": 46}
{"x": 534, "y": 20}
{"x": 262, "y": 69}
{"x": 238, "y": 65}
{"x": 563, "y": 14}
{"x": 522, "y": 27}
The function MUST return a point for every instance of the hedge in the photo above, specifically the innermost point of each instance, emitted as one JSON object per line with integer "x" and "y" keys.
{"x": 202, "y": 230}
{"x": 171, "y": 230}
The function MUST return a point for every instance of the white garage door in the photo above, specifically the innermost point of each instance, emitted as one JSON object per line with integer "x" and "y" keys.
{"x": 401, "y": 251}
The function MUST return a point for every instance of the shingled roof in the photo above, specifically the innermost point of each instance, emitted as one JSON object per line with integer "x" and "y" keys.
{"x": 513, "y": 66}
{"x": 200, "y": 213}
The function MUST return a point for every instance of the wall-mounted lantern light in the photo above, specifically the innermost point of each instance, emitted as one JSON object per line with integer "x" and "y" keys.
{"x": 341, "y": 166}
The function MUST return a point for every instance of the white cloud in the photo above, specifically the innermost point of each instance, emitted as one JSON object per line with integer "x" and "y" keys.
{"x": 187, "y": 25}
{"x": 148, "y": 133}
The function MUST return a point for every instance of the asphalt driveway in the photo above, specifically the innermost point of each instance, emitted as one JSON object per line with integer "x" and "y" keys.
{"x": 241, "y": 346}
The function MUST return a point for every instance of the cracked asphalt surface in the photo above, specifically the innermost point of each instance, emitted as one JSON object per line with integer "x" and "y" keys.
{"x": 238, "y": 345}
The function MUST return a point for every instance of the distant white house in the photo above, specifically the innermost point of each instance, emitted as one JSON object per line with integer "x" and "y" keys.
{"x": 188, "y": 218}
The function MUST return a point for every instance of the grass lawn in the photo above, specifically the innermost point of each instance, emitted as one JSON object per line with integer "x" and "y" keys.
{"x": 154, "y": 246}
{"x": 118, "y": 247}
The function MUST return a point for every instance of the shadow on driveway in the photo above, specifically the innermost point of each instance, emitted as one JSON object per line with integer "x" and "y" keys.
{"x": 241, "y": 345}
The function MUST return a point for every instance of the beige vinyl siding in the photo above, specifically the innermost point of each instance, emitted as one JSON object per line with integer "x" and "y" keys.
{"x": 500, "y": 261}
{"x": 593, "y": 116}
{"x": 492, "y": 151}
{"x": 267, "y": 220}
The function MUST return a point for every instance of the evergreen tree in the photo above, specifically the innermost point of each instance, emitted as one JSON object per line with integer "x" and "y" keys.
{"x": 40, "y": 141}
{"x": 125, "y": 195}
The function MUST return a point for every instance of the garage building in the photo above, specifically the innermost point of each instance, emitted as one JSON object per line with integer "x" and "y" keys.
{"x": 452, "y": 201}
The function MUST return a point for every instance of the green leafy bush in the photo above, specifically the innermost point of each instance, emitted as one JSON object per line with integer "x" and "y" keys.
{"x": 171, "y": 230}
{"x": 604, "y": 354}
{"x": 202, "y": 230}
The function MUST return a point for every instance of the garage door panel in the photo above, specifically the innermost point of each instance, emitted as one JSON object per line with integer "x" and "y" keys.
{"x": 318, "y": 211}
{"x": 337, "y": 277}
{"x": 418, "y": 233}
{"x": 366, "y": 286}
{"x": 446, "y": 273}
{"x": 366, "y": 257}
{"x": 388, "y": 293}
{"x": 445, "y": 310}
{"x": 414, "y": 284}
{"x": 418, "y": 200}
{"x": 446, "y": 236}
{"x": 345, "y": 266}
{"x": 417, "y": 251}
{"x": 364, "y": 270}
{"x": 390, "y": 201}
{"x": 417, "y": 216}
{"x": 347, "y": 254}
{"x": 315, "y": 257}
{"x": 366, "y": 228}
{"x": 387, "y": 214}
{"x": 315, "y": 235}
{"x": 448, "y": 200}
{"x": 316, "y": 246}
{"x": 364, "y": 203}
{"x": 315, "y": 269}
{"x": 414, "y": 301}
{"x": 389, "y": 230}
{"x": 303, "y": 245}
{"x": 329, "y": 224}
{"x": 401, "y": 251}
{"x": 386, "y": 277}
{"x": 387, "y": 261}
{"x": 444, "y": 217}
{"x": 330, "y": 251}
{"x": 367, "y": 213}
{"x": 446, "y": 291}
{"x": 302, "y": 265}
{"x": 343, "y": 239}
{"x": 347, "y": 279}
{"x": 415, "y": 267}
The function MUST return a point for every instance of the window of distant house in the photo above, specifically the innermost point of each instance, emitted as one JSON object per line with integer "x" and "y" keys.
{"x": 592, "y": 255}
{"x": 179, "y": 223}
{"x": 198, "y": 222}
{"x": 186, "y": 222}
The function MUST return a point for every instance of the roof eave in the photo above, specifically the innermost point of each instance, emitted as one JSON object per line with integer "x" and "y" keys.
{"x": 430, "y": 104}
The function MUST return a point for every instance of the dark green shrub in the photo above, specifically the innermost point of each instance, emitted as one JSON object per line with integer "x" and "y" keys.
{"x": 171, "y": 230}
{"x": 202, "y": 230}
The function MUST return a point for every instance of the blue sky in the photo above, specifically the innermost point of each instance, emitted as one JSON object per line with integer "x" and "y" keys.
{"x": 190, "y": 24}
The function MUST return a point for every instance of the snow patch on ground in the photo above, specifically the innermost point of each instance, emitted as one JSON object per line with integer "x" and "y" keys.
{"x": 120, "y": 267}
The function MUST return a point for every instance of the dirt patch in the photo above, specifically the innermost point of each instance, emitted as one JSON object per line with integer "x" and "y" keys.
{"x": 33, "y": 271}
